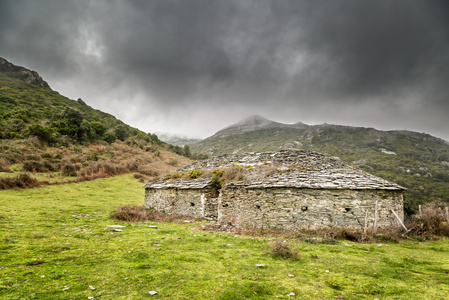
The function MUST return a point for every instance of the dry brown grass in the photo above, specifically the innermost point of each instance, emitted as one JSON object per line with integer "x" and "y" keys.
{"x": 4, "y": 166}
{"x": 21, "y": 181}
{"x": 85, "y": 163}
{"x": 139, "y": 213}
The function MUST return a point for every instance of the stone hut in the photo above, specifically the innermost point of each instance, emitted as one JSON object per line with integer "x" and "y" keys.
{"x": 288, "y": 189}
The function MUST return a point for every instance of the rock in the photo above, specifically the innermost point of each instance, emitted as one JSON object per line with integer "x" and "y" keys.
{"x": 260, "y": 266}
{"x": 152, "y": 293}
{"x": 114, "y": 226}
{"x": 90, "y": 298}
{"x": 92, "y": 288}
{"x": 291, "y": 275}
{"x": 291, "y": 294}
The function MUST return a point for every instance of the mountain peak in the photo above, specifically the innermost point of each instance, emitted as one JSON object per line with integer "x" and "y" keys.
{"x": 253, "y": 120}
{"x": 252, "y": 123}
{"x": 31, "y": 77}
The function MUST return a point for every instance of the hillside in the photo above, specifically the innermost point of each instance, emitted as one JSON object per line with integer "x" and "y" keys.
{"x": 29, "y": 107}
{"x": 417, "y": 161}
{"x": 48, "y": 138}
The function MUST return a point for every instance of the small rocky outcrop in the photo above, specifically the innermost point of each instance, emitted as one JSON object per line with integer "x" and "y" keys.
{"x": 22, "y": 73}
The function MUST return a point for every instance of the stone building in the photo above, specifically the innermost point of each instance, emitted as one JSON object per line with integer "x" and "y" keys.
{"x": 289, "y": 189}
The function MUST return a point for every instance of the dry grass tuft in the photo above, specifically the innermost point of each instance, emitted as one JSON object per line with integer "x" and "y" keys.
{"x": 283, "y": 250}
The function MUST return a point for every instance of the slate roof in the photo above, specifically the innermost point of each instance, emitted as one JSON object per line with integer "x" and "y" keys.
{"x": 292, "y": 169}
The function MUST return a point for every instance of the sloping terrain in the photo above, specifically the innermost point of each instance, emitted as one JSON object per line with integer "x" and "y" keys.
{"x": 417, "y": 161}
{"x": 29, "y": 107}
{"x": 46, "y": 137}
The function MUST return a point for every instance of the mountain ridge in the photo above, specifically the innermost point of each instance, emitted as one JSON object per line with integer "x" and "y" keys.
{"x": 24, "y": 74}
{"x": 417, "y": 161}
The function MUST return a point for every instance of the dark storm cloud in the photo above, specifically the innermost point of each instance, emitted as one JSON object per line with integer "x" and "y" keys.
{"x": 283, "y": 59}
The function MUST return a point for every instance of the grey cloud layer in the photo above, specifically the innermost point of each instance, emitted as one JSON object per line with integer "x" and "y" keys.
{"x": 263, "y": 54}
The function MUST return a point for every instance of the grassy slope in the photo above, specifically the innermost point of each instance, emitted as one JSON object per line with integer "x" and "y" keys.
{"x": 37, "y": 225}
{"x": 91, "y": 161}
{"x": 417, "y": 155}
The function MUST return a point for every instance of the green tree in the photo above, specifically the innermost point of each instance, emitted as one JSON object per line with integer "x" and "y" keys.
{"x": 187, "y": 152}
{"x": 97, "y": 129}
{"x": 121, "y": 133}
{"x": 45, "y": 134}
{"x": 109, "y": 137}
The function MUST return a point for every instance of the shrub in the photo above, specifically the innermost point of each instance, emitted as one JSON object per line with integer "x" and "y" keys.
{"x": 432, "y": 221}
{"x": 172, "y": 176}
{"x": 47, "y": 155}
{"x": 282, "y": 249}
{"x": 195, "y": 174}
{"x": 34, "y": 166}
{"x": 109, "y": 137}
{"x": 4, "y": 166}
{"x": 70, "y": 170}
{"x": 137, "y": 176}
{"x": 20, "y": 181}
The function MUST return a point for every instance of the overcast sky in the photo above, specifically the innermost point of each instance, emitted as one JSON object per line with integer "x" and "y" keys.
{"x": 192, "y": 67}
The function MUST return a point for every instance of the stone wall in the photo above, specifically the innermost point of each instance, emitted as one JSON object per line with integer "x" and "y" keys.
{"x": 198, "y": 203}
{"x": 292, "y": 208}
{"x": 282, "y": 208}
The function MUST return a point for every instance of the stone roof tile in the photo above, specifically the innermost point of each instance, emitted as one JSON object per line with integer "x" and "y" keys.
{"x": 297, "y": 169}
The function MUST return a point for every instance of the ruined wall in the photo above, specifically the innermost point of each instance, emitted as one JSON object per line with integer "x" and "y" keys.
{"x": 292, "y": 208}
{"x": 198, "y": 203}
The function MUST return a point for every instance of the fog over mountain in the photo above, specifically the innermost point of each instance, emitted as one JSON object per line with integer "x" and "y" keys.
{"x": 192, "y": 67}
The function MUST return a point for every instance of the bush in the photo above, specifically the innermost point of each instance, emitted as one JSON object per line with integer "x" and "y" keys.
{"x": 195, "y": 174}
{"x": 37, "y": 166}
{"x": 173, "y": 176}
{"x": 4, "y": 166}
{"x": 70, "y": 170}
{"x": 431, "y": 222}
{"x": 22, "y": 181}
{"x": 282, "y": 249}
{"x": 109, "y": 137}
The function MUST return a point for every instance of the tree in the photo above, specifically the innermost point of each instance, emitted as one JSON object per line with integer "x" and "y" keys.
{"x": 109, "y": 137}
{"x": 44, "y": 134}
{"x": 73, "y": 116}
{"x": 97, "y": 129}
{"x": 187, "y": 152}
{"x": 80, "y": 101}
{"x": 121, "y": 133}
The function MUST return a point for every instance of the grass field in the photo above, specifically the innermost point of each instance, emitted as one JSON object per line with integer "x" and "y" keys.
{"x": 54, "y": 245}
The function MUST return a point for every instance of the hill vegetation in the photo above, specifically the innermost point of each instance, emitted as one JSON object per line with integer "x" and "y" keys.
{"x": 417, "y": 161}
{"x": 30, "y": 108}
{"x": 48, "y": 138}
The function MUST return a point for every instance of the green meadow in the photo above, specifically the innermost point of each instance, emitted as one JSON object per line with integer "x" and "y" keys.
{"x": 55, "y": 244}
